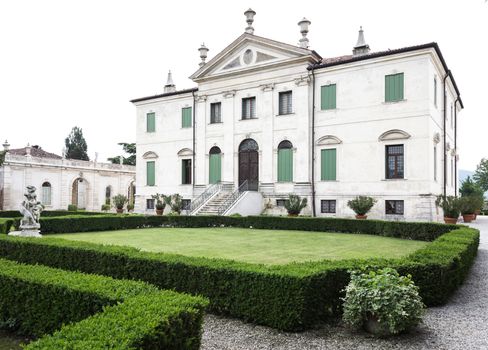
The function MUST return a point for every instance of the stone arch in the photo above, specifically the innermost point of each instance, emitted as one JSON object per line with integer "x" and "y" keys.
{"x": 150, "y": 155}
{"x": 185, "y": 152}
{"x": 394, "y": 134}
{"x": 329, "y": 140}
{"x": 80, "y": 192}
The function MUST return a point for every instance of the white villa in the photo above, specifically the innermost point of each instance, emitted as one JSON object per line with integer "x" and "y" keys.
{"x": 268, "y": 119}
{"x": 60, "y": 181}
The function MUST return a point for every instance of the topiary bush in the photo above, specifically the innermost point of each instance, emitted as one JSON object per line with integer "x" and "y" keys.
{"x": 382, "y": 302}
{"x": 361, "y": 205}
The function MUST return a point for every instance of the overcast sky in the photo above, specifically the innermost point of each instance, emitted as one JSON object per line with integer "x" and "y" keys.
{"x": 66, "y": 63}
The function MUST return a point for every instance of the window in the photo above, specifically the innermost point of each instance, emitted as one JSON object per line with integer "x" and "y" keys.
{"x": 435, "y": 163}
{"x": 151, "y": 173}
{"x": 285, "y": 102}
{"x": 394, "y": 87}
{"x": 285, "y": 161}
{"x": 149, "y": 203}
{"x": 215, "y": 165}
{"x": 186, "y": 117}
{"x": 280, "y": 203}
{"x": 186, "y": 171}
{"x": 328, "y": 97}
{"x": 328, "y": 164}
{"x": 46, "y": 193}
{"x": 435, "y": 91}
{"x": 394, "y": 207}
{"x": 185, "y": 203}
{"x": 249, "y": 108}
{"x": 394, "y": 162}
{"x": 108, "y": 194}
{"x": 151, "y": 122}
{"x": 215, "y": 113}
{"x": 328, "y": 206}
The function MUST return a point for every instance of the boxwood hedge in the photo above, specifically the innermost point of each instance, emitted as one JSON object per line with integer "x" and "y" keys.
{"x": 5, "y": 225}
{"x": 47, "y": 213}
{"x": 116, "y": 314}
{"x": 289, "y": 297}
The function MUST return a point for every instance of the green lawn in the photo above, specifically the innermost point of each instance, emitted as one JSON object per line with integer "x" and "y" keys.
{"x": 252, "y": 245}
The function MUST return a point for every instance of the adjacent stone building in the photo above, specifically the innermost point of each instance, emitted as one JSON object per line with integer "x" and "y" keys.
{"x": 272, "y": 118}
{"x": 59, "y": 181}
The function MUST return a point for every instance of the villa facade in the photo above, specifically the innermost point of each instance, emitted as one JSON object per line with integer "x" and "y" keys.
{"x": 275, "y": 119}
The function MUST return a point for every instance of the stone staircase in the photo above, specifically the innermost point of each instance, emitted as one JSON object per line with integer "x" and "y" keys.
{"x": 213, "y": 205}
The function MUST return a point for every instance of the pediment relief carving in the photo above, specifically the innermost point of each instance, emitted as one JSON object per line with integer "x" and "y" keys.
{"x": 184, "y": 152}
{"x": 394, "y": 134}
{"x": 150, "y": 155}
{"x": 328, "y": 140}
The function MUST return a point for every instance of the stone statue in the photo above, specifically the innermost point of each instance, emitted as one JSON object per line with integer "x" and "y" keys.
{"x": 31, "y": 209}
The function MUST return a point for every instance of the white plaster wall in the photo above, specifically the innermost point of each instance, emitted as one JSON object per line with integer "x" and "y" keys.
{"x": 250, "y": 203}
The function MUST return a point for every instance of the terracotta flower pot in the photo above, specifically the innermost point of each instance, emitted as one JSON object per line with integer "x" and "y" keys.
{"x": 476, "y": 213}
{"x": 468, "y": 217}
{"x": 361, "y": 217}
{"x": 159, "y": 212}
{"x": 450, "y": 220}
{"x": 293, "y": 215}
{"x": 119, "y": 211}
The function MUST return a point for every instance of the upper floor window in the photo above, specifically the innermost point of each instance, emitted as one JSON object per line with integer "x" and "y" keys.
{"x": 394, "y": 162}
{"x": 186, "y": 117}
{"x": 435, "y": 91}
{"x": 394, "y": 207}
{"x": 249, "y": 108}
{"x": 186, "y": 171}
{"x": 394, "y": 87}
{"x": 285, "y": 102}
{"x": 46, "y": 193}
{"x": 150, "y": 122}
{"x": 328, "y": 97}
{"x": 215, "y": 113}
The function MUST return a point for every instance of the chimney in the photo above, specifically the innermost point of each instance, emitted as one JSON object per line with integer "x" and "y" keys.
{"x": 6, "y": 146}
{"x": 249, "y": 19}
{"x": 28, "y": 150}
{"x": 170, "y": 86}
{"x": 304, "y": 24}
{"x": 203, "y": 54}
{"x": 361, "y": 47}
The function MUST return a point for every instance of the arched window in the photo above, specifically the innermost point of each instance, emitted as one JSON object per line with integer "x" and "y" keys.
{"x": 285, "y": 161}
{"x": 215, "y": 165}
{"x": 248, "y": 145}
{"x": 46, "y": 193}
{"x": 108, "y": 194}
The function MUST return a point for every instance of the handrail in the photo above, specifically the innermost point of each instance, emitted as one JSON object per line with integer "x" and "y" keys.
{"x": 230, "y": 200}
{"x": 202, "y": 198}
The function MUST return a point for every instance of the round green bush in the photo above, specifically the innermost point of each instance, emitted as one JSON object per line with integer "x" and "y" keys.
{"x": 382, "y": 302}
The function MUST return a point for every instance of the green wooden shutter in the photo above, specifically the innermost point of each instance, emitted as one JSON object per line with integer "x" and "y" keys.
{"x": 151, "y": 173}
{"x": 394, "y": 87}
{"x": 151, "y": 122}
{"x": 328, "y": 164}
{"x": 214, "y": 168}
{"x": 186, "y": 117}
{"x": 328, "y": 97}
{"x": 285, "y": 165}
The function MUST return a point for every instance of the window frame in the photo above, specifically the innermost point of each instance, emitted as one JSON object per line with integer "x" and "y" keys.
{"x": 148, "y": 206}
{"x": 213, "y": 119}
{"x": 186, "y": 171}
{"x": 47, "y": 189}
{"x": 329, "y": 210}
{"x": 245, "y": 116}
{"x": 280, "y": 202}
{"x": 289, "y": 105}
{"x": 396, "y": 155}
{"x": 284, "y": 175}
{"x": 147, "y": 172}
{"x": 392, "y": 209}
{"x": 187, "y": 205}
{"x": 322, "y": 152}
{"x": 435, "y": 92}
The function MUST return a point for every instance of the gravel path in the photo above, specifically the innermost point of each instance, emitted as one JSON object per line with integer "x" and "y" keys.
{"x": 461, "y": 324}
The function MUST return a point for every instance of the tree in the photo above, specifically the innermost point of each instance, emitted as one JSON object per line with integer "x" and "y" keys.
{"x": 481, "y": 174}
{"x": 76, "y": 145}
{"x": 470, "y": 188}
{"x": 129, "y": 148}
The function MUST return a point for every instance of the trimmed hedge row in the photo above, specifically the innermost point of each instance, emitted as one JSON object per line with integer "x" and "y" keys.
{"x": 5, "y": 225}
{"x": 289, "y": 297}
{"x": 405, "y": 230}
{"x": 116, "y": 314}
{"x": 47, "y": 213}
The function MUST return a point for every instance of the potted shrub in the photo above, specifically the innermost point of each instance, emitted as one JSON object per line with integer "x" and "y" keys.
{"x": 295, "y": 204}
{"x": 361, "y": 205}
{"x": 382, "y": 302}
{"x": 469, "y": 188}
{"x": 450, "y": 207}
{"x": 468, "y": 206}
{"x": 119, "y": 202}
{"x": 160, "y": 203}
{"x": 175, "y": 202}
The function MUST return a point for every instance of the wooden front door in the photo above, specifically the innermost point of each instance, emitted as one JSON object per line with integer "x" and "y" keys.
{"x": 249, "y": 169}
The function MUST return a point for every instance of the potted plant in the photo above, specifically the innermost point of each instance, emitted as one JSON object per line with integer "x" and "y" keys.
{"x": 361, "y": 205}
{"x": 450, "y": 207}
{"x": 119, "y": 202}
{"x": 469, "y": 188}
{"x": 295, "y": 204}
{"x": 468, "y": 206}
{"x": 160, "y": 203}
{"x": 105, "y": 207}
{"x": 382, "y": 302}
{"x": 175, "y": 202}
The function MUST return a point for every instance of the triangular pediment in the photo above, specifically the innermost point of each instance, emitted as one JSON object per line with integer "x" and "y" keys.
{"x": 250, "y": 52}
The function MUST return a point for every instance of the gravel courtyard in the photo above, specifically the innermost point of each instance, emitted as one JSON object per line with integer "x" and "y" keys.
{"x": 461, "y": 324}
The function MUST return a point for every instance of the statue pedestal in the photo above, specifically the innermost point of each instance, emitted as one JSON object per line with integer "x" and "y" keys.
{"x": 26, "y": 233}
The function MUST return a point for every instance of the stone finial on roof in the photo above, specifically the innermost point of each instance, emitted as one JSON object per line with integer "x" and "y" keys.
{"x": 250, "y": 19}
{"x": 203, "y": 54}
{"x": 6, "y": 146}
{"x": 361, "y": 47}
{"x": 304, "y": 24}
{"x": 170, "y": 86}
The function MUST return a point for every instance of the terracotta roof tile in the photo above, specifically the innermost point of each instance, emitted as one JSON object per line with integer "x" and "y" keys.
{"x": 36, "y": 151}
